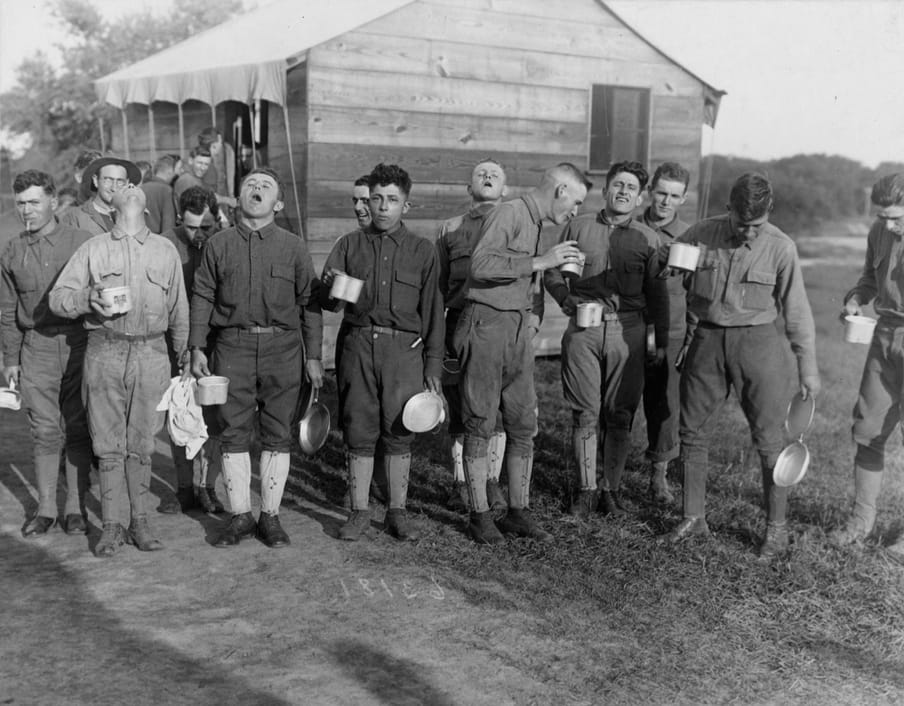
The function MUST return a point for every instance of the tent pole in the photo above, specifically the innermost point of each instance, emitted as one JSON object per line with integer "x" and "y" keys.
{"x": 125, "y": 131}
{"x": 254, "y": 163}
{"x": 103, "y": 139}
{"x": 152, "y": 134}
{"x": 301, "y": 230}
{"x": 181, "y": 133}
{"x": 213, "y": 115}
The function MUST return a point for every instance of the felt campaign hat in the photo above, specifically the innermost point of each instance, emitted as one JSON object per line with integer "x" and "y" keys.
{"x": 87, "y": 186}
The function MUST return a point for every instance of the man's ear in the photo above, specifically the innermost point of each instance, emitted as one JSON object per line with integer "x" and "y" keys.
{"x": 278, "y": 206}
{"x": 639, "y": 200}
{"x": 405, "y": 207}
{"x": 94, "y": 181}
{"x": 504, "y": 191}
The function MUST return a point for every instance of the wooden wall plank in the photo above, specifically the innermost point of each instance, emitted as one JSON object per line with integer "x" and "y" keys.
{"x": 366, "y": 89}
{"x": 448, "y": 22}
{"x": 430, "y": 165}
{"x": 411, "y": 55}
{"x": 677, "y": 110}
{"x": 394, "y": 128}
{"x": 585, "y": 11}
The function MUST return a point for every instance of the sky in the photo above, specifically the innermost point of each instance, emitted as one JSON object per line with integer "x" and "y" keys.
{"x": 801, "y": 76}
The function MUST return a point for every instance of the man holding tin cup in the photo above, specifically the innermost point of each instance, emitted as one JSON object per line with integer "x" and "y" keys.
{"x": 603, "y": 365}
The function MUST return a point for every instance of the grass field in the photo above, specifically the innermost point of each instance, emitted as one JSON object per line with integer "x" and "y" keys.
{"x": 621, "y": 618}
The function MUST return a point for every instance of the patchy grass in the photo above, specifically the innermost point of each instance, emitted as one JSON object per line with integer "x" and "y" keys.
{"x": 617, "y": 617}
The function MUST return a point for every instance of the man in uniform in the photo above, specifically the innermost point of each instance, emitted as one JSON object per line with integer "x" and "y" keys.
{"x": 668, "y": 192}
{"x": 603, "y": 366}
{"x": 255, "y": 290}
{"x": 361, "y": 200}
{"x": 456, "y": 240}
{"x": 493, "y": 342}
{"x": 126, "y": 362}
{"x": 389, "y": 346}
{"x": 161, "y": 215}
{"x": 748, "y": 272}
{"x": 878, "y": 410}
{"x": 43, "y": 353}
{"x": 106, "y": 176}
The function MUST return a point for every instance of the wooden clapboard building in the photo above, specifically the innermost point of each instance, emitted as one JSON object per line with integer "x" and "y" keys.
{"x": 325, "y": 91}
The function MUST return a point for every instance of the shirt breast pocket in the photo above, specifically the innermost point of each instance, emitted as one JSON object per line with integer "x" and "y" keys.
{"x": 26, "y": 282}
{"x": 109, "y": 276}
{"x": 759, "y": 290}
{"x": 459, "y": 261}
{"x": 631, "y": 279}
{"x": 406, "y": 290}
{"x": 155, "y": 300}
{"x": 282, "y": 285}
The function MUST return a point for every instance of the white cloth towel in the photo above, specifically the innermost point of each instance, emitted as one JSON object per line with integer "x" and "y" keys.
{"x": 184, "y": 419}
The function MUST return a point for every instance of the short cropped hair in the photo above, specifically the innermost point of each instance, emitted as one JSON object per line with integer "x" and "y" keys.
{"x": 389, "y": 174}
{"x": 199, "y": 152}
{"x": 33, "y": 177}
{"x": 270, "y": 173}
{"x": 751, "y": 196}
{"x": 363, "y": 180}
{"x": 635, "y": 168}
{"x": 195, "y": 198}
{"x": 145, "y": 168}
{"x": 575, "y": 174}
{"x": 888, "y": 191}
{"x": 167, "y": 161}
{"x": 85, "y": 158}
{"x": 671, "y": 171}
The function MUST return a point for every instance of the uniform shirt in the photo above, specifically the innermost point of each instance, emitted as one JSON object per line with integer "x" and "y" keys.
{"x": 161, "y": 211}
{"x": 456, "y": 241}
{"x": 88, "y": 218}
{"x": 675, "y": 285}
{"x": 145, "y": 262}
{"x": 749, "y": 283}
{"x": 621, "y": 268}
{"x": 501, "y": 273}
{"x": 882, "y": 277}
{"x": 28, "y": 268}
{"x": 400, "y": 273}
{"x": 252, "y": 278}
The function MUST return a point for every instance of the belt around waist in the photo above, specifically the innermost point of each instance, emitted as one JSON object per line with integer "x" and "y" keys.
{"x": 60, "y": 330}
{"x": 111, "y": 335}
{"x": 386, "y": 331}
{"x": 260, "y": 330}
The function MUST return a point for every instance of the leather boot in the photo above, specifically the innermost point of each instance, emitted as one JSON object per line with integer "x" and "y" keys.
{"x": 611, "y": 504}
{"x": 520, "y": 523}
{"x": 141, "y": 536}
{"x": 659, "y": 485}
{"x": 208, "y": 500}
{"x": 270, "y": 531}
{"x": 483, "y": 530}
{"x": 688, "y": 527}
{"x": 399, "y": 526}
{"x": 584, "y": 504}
{"x": 867, "y": 485}
{"x": 239, "y": 527}
{"x": 357, "y": 524}
{"x": 775, "y": 542}
{"x": 111, "y": 539}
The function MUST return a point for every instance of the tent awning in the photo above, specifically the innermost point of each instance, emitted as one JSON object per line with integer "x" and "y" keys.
{"x": 243, "y": 59}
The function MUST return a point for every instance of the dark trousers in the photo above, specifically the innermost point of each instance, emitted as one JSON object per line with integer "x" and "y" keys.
{"x": 497, "y": 359}
{"x": 661, "y": 405}
{"x": 265, "y": 372}
{"x": 379, "y": 371}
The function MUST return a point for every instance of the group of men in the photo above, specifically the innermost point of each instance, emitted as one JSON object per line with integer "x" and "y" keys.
{"x": 457, "y": 316}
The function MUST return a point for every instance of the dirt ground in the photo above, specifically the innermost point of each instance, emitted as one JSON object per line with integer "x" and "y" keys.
{"x": 314, "y": 623}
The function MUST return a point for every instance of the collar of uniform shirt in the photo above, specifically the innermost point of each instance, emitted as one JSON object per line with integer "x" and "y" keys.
{"x": 396, "y": 233}
{"x": 118, "y": 234}
{"x": 603, "y": 218}
{"x": 667, "y": 228}
{"x": 245, "y": 230}
{"x": 32, "y": 238}
{"x": 479, "y": 210}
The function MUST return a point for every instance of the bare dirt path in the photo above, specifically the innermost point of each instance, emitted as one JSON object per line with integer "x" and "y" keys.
{"x": 315, "y": 623}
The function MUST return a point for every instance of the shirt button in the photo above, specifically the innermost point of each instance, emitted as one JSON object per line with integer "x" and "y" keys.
{"x": 375, "y": 337}
{"x": 384, "y": 282}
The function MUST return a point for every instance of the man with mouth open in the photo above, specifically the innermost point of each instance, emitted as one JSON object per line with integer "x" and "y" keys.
{"x": 127, "y": 367}
{"x": 255, "y": 292}
{"x": 361, "y": 200}
{"x": 603, "y": 366}
{"x": 43, "y": 353}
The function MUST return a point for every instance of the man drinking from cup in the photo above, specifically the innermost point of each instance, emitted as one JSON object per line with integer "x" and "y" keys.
{"x": 127, "y": 366}
{"x": 603, "y": 366}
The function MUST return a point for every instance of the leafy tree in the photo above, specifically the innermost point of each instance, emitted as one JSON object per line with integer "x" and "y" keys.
{"x": 56, "y": 107}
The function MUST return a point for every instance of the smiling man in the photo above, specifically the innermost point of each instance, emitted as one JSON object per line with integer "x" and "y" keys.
{"x": 126, "y": 362}
{"x": 748, "y": 273}
{"x": 389, "y": 346}
{"x": 878, "y": 410}
{"x": 255, "y": 293}
{"x": 603, "y": 366}
{"x": 43, "y": 353}
{"x": 106, "y": 176}
{"x": 361, "y": 200}
{"x": 668, "y": 192}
